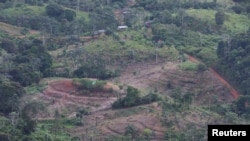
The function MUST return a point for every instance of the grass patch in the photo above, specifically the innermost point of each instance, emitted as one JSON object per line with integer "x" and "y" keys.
{"x": 234, "y": 23}
{"x": 207, "y": 15}
{"x": 82, "y": 14}
{"x": 52, "y": 130}
{"x": 129, "y": 45}
{"x": 128, "y": 112}
{"x": 237, "y": 23}
{"x": 36, "y": 10}
{"x": 208, "y": 55}
{"x": 225, "y": 2}
{"x": 35, "y": 88}
{"x": 188, "y": 66}
{"x": 24, "y": 10}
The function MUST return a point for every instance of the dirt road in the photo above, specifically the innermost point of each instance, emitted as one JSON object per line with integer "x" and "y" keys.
{"x": 234, "y": 92}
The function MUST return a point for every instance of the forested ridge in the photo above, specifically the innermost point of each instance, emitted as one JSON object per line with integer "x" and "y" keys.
{"x": 42, "y": 40}
{"x": 234, "y": 61}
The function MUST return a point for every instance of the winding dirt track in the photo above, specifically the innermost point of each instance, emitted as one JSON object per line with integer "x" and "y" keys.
{"x": 62, "y": 94}
{"x": 233, "y": 91}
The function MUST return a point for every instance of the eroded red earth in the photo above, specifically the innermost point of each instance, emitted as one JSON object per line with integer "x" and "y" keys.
{"x": 233, "y": 91}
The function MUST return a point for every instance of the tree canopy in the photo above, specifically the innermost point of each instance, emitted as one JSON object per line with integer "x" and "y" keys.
{"x": 235, "y": 61}
{"x": 10, "y": 92}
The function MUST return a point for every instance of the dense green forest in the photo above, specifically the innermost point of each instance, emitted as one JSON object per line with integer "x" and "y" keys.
{"x": 32, "y": 32}
{"x": 234, "y": 60}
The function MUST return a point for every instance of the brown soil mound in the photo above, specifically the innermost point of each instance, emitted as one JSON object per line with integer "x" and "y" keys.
{"x": 62, "y": 95}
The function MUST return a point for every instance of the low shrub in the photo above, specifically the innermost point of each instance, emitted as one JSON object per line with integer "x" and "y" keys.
{"x": 87, "y": 86}
{"x": 133, "y": 99}
{"x": 189, "y": 66}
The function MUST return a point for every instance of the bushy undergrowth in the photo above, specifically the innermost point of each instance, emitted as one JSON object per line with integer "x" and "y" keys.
{"x": 133, "y": 99}
{"x": 88, "y": 86}
{"x": 189, "y": 66}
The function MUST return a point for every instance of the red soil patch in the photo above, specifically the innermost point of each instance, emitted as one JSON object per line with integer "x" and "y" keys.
{"x": 234, "y": 92}
{"x": 222, "y": 80}
{"x": 62, "y": 95}
{"x": 63, "y": 85}
{"x": 192, "y": 59}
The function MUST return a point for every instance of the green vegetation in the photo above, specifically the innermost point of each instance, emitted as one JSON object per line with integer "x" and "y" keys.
{"x": 129, "y": 46}
{"x": 32, "y": 62}
{"x": 94, "y": 68}
{"x": 132, "y": 133}
{"x": 233, "y": 22}
{"x": 24, "y": 10}
{"x": 88, "y": 86}
{"x": 190, "y": 66}
{"x": 234, "y": 61}
{"x": 133, "y": 99}
{"x": 241, "y": 107}
{"x": 35, "y": 88}
{"x": 10, "y": 92}
{"x": 203, "y": 14}
{"x": 45, "y": 130}
{"x": 80, "y": 39}
{"x": 129, "y": 111}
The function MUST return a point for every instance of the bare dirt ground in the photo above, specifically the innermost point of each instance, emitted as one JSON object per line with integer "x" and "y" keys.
{"x": 11, "y": 30}
{"x": 114, "y": 122}
{"x": 165, "y": 77}
{"x": 15, "y": 31}
{"x": 60, "y": 94}
{"x": 161, "y": 78}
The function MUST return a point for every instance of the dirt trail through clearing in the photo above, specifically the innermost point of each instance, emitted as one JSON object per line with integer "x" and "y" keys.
{"x": 234, "y": 92}
{"x": 61, "y": 94}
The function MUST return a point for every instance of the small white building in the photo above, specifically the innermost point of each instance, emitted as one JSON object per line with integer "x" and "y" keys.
{"x": 126, "y": 10}
{"x": 122, "y": 27}
{"x": 99, "y": 32}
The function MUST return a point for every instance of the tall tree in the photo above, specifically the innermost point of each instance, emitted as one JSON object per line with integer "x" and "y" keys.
{"x": 221, "y": 49}
{"x": 220, "y": 17}
{"x": 9, "y": 95}
{"x": 54, "y": 10}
